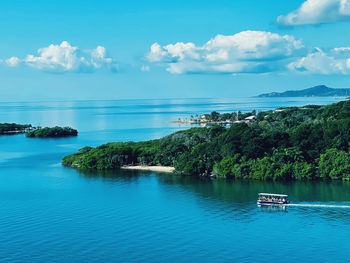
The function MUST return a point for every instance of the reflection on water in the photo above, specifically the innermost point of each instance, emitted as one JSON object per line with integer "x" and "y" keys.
{"x": 113, "y": 175}
{"x": 272, "y": 209}
{"x": 236, "y": 199}
{"x": 242, "y": 191}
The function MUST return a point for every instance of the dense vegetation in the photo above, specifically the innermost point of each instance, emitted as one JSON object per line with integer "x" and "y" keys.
{"x": 310, "y": 142}
{"x": 53, "y": 132}
{"x": 221, "y": 117}
{"x": 12, "y": 128}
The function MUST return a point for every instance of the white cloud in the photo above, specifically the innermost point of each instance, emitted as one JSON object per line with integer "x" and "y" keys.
{"x": 251, "y": 52}
{"x": 99, "y": 59}
{"x": 13, "y": 61}
{"x": 66, "y": 58}
{"x": 173, "y": 52}
{"x": 244, "y": 52}
{"x": 156, "y": 54}
{"x": 335, "y": 61}
{"x": 317, "y": 12}
{"x": 61, "y": 57}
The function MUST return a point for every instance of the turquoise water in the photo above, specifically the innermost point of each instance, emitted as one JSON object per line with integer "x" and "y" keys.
{"x": 49, "y": 213}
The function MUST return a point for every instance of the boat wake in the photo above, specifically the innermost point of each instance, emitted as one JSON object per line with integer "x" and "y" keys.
{"x": 319, "y": 205}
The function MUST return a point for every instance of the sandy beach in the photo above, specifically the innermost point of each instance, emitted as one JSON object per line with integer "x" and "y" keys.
{"x": 164, "y": 169}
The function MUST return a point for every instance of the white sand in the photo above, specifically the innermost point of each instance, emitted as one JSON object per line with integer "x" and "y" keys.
{"x": 164, "y": 169}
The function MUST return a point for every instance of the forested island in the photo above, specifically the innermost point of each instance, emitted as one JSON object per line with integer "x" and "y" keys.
{"x": 52, "y": 132}
{"x": 14, "y": 128}
{"x": 295, "y": 143}
{"x": 317, "y": 91}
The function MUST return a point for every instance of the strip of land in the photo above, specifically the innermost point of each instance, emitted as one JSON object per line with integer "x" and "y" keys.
{"x": 14, "y": 128}
{"x": 164, "y": 169}
{"x": 305, "y": 143}
{"x": 216, "y": 118}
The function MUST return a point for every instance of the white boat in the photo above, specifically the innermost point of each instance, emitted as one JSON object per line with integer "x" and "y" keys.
{"x": 272, "y": 199}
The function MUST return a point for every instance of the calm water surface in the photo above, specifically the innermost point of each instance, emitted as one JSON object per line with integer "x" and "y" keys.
{"x": 49, "y": 213}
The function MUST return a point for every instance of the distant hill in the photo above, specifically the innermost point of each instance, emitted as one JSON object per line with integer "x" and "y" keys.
{"x": 317, "y": 91}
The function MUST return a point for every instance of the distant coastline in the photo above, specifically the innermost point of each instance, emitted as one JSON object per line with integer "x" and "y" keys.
{"x": 14, "y": 128}
{"x": 316, "y": 91}
{"x": 216, "y": 118}
{"x": 36, "y": 132}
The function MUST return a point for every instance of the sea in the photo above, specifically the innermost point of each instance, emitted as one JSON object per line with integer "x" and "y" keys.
{"x": 50, "y": 213}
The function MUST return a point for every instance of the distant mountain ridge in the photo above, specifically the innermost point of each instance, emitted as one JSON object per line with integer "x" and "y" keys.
{"x": 317, "y": 91}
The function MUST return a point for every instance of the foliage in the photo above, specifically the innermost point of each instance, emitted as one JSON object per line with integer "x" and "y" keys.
{"x": 334, "y": 164}
{"x": 215, "y": 116}
{"x": 11, "y": 128}
{"x": 305, "y": 143}
{"x": 52, "y": 132}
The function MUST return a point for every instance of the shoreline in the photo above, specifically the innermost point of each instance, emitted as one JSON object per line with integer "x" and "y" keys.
{"x": 211, "y": 122}
{"x": 164, "y": 169}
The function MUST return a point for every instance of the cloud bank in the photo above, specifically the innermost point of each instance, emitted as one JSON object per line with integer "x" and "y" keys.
{"x": 313, "y": 12}
{"x": 333, "y": 61}
{"x": 250, "y": 52}
{"x": 65, "y": 58}
{"x": 244, "y": 52}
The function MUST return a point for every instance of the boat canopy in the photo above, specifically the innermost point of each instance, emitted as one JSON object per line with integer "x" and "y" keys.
{"x": 277, "y": 195}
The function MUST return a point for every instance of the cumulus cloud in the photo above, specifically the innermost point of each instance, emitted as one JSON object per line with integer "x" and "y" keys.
{"x": 99, "y": 58}
{"x": 66, "y": 58}
{"x": 244, "y": 52}
{"x": 334, "y": 61}
{"x": 317, "y": 12}
{"x": 13, "y": 61}
{"x": 251, "y": 52}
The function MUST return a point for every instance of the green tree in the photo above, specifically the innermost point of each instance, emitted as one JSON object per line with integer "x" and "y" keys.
{"x": 334, "y": 164}
{"x": 214, "y": 116}
{"x": 226, "y": 166}
{"x": 304, "y": 171}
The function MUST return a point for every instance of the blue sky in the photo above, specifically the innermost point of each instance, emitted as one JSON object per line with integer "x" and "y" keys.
{"x": 102, "y": 49}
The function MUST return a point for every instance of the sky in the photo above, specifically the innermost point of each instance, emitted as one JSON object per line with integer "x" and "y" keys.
{"x": 133, "y": 49}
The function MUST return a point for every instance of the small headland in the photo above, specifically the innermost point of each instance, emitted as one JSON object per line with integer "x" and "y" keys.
{"x": 52, "y": 132}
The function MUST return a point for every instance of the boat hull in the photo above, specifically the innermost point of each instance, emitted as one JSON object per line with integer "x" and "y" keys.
{"x": 272, "y": 203}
